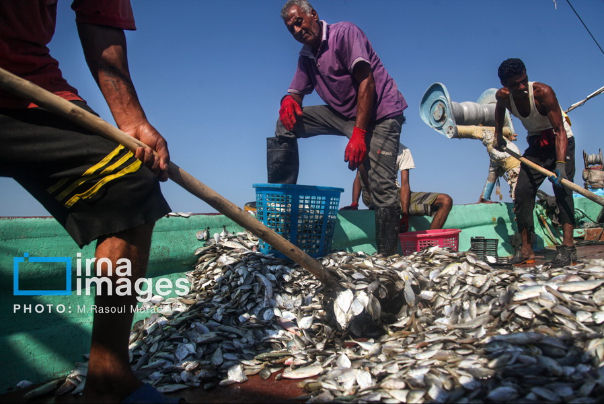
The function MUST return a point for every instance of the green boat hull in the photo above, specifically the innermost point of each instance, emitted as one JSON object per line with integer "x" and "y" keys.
{"x": 43, "y": 337}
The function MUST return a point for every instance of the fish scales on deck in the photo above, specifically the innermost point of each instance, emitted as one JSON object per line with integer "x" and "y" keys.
{"x": 436, "y": 326}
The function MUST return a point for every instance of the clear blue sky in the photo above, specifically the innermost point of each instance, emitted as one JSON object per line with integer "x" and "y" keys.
{"x": 210, "y": 75}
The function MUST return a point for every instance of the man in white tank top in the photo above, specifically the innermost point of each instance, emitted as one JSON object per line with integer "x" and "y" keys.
{"x": 551, "y": 145}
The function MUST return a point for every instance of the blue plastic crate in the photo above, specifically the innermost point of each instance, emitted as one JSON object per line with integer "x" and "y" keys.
{"x": 303, "y": 214}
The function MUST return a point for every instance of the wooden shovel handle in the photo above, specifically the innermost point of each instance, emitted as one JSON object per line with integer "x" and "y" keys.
{"x": 568, "y": 184}
{"x": 477, "y": 132}
{"x": 66, "y": 109}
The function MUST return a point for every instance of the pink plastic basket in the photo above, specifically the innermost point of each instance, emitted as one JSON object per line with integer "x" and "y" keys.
{"x": 417, "y": 240}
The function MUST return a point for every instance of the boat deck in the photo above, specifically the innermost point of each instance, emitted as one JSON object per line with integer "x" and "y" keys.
{"x": 271, "y": 390}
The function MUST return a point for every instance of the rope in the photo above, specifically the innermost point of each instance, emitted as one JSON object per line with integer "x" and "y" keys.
{"x": 592, "y": 37}
{"x": 580, "y": 103}
{"x": 580, "y": 214}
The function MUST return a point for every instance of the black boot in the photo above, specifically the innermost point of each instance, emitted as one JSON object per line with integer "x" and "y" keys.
{"x": 566, "y": 256}
{"x": 518, "y": 258}
{"x": 282, "y": 160}
{"x": 516, "y": 242}
{"x": 386, "y": 229}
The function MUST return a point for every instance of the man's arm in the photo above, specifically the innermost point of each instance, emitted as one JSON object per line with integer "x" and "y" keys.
{"x": 356, "y": 149}
{"x": 502, "y": 100}
{"x": 356, "y": 192}
{"x": 364, "y": 76}
{"x": 405, "y": 192}
{"x": 405, "y": 201}
{"x": 356, "y": 189}
{"x": 547, "y": 102}
{"x": 106, "y": 55}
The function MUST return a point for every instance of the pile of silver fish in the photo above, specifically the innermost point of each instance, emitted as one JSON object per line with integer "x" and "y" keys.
{"x": 436, "y": 326}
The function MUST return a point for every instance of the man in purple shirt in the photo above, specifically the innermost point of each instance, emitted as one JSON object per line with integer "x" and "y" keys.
{"x": 363, "y": 104}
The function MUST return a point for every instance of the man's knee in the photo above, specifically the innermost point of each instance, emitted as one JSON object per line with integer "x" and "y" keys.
{"x": 134, "y": 236}
{"x": 444, "y": 202}
{"x": 280, "y": 130}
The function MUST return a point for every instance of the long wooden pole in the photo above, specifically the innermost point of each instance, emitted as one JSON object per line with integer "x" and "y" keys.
{"x": 477, "y": 132}
{"x": 568, "y": 184}
{"x": 66, "y": 109}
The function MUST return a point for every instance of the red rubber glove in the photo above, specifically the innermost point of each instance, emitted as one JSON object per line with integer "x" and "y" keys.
{"x": 289, "y": 112}
{"x": 403, "y": 225}
{"x": 356, "y": 150}
{"x": 354, "y": 206}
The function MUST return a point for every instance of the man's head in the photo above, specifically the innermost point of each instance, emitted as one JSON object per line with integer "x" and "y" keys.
{"x": 512, "y": 74}
{"x": 302, "y": 22}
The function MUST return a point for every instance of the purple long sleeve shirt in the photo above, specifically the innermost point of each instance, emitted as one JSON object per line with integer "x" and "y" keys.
{"x": 330, "y": 72}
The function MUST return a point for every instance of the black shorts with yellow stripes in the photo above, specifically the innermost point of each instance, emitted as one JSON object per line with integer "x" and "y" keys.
{"x": 91, "y": 185}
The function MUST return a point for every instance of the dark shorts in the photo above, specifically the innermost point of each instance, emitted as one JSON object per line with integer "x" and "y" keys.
{"x": 529, "y": 181}
{"x": 91, "y": 185}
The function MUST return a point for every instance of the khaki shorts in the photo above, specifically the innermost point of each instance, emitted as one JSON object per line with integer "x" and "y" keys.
{"x": 421, "y": 203}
